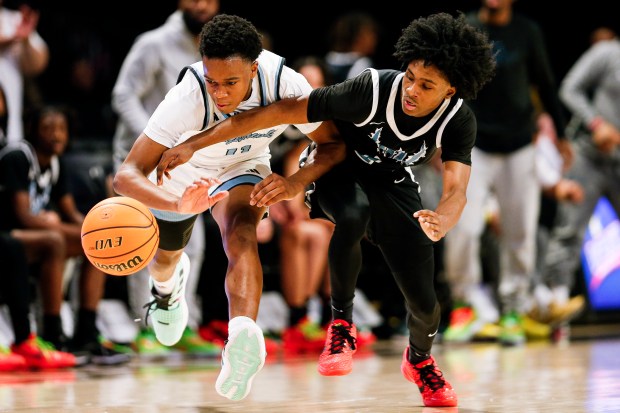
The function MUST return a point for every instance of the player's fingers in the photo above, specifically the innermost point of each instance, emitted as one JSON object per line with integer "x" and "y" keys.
{"x": 261, "y": 189}
{"x": 209, "y": 182}
{"x": 162, "y": 167}
{"x": 270, "y": 197}
{"x": 217, "y": 197}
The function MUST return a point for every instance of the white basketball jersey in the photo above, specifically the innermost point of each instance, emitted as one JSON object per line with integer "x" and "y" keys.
{"x": 186, "y": 110}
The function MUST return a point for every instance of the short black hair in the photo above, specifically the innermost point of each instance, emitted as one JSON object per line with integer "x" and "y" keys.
{"x": 34, "y": 115}
{"x": 463, "y": 53}
{"x": 227, "y": 35}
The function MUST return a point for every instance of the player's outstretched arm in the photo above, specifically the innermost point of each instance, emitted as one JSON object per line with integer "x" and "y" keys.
{"x": 436, "y": 224}
{"x": 132, "y": 180}
{"x": 285, "y": 111}
{"x": 329, "y": 151}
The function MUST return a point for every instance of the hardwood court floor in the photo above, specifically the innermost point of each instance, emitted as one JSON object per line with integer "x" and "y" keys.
{"x": 580, "y": 376}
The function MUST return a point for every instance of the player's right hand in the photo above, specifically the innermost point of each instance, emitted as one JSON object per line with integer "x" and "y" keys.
{"x": 170, "y": 159}
{"x": 196, "y": 198}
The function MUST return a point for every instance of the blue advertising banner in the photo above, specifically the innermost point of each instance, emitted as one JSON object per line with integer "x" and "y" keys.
{"x": 601, "y": 258}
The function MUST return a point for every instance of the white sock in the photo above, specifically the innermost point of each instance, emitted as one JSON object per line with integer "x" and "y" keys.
{"x": 165, "y": 287}
{"x": 560, "y": 294}
{"x": 543, "y": 295}
{"x": 237, "y": 323}
{"x": 481, "y": 301}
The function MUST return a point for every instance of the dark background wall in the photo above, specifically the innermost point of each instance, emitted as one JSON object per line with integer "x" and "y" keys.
{"x": 101, "y": 32}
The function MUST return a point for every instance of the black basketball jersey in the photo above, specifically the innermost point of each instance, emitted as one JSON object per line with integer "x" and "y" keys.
{"x": 368, "y": 114}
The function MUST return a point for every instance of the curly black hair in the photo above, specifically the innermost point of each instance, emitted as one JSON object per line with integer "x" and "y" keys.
{"x": 461, "y": 52}
{"x": 227, "y": 35}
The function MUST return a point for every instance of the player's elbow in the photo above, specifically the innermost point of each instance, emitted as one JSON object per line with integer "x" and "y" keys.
{"x": 121, "y": 180}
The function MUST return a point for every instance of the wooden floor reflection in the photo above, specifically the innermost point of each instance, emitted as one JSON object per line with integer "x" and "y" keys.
{"x": 581, "y": 376}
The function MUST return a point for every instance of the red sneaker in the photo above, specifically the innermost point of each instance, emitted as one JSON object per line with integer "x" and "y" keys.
{"x": 305, "y": 336}
{"x": 272, "y": 346}
{"x": 365, "y": 338}
{"x": 10, "y": 361}
{"x": 340, "y": 345}
{"x": 216, "y": 331}
{"x": 435, "y": 390}
{"x": 40, "y": 354}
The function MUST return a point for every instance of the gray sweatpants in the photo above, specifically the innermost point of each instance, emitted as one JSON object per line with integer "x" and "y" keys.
{"x": 512, "y": 180}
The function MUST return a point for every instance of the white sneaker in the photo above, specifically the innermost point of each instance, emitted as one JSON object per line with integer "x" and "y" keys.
{"x": 242, "y": 357}
{"x": 170, "y": 313}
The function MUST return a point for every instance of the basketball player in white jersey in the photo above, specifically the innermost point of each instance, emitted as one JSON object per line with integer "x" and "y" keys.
{"x": 235, "y": 75}
{"x": 391, "y": 121}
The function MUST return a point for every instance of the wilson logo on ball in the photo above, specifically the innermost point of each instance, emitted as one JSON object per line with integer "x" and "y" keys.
{"x": 122, "y": 267}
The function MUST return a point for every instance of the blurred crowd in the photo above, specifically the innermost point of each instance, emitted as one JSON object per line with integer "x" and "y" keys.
{"x": 508, "y": 272}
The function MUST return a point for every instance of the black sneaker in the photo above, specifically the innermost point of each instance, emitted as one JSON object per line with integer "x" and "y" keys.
{"x": 98, "y": 354}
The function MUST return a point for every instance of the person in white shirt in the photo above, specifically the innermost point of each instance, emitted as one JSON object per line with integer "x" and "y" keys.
{"x": 23, "y": 53}
{"x": 235, "y": 75}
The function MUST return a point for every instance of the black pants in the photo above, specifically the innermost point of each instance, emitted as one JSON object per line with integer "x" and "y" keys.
{"x": 15, "y": 281}
{"x": 380, "y": 206}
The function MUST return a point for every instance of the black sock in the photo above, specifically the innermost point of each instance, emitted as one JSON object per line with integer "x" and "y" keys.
{"x": 21, "y": 333}
{"x": 85, "y": 329}
{"x": 296, "y": 314}
{"x": 342, "y": 312}
{"x": 415, "y": 357}
{"x": 52, "y": 329}
{"x": 326, "y": 312}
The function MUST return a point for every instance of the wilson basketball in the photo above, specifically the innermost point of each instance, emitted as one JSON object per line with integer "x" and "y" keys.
{"x": 120, "y": 235}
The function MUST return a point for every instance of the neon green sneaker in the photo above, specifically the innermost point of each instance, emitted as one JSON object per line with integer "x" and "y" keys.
{"x": 464, "y": 325}
{"x": 146, "y": 345}
{"x": 170, "y": 313}
{"x": 194, "y": 345}
{"x": 242, "y": 358}
{"x": 512, "y": 333}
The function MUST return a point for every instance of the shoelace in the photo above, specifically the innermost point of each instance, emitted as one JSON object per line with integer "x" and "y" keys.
{"x": 431, "y": 377}
{"x": 163, "y": 302}
{"x": 340, "y": 336}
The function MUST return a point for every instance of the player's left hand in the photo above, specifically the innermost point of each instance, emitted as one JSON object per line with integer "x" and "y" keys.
{"x": 274, "y": 188}
{"x": 196, "y": 198}
{"x": 430, "y": 223}
{"x": 170, "y": 159}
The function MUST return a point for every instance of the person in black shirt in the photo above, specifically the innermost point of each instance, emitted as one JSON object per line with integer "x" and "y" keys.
{"x": 40, "y": 210}
{"x": 390, "y": 121}
{"x": 504, "y": 155}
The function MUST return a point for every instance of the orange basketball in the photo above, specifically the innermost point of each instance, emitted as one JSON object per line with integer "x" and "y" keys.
{"x": 120, "y": 235}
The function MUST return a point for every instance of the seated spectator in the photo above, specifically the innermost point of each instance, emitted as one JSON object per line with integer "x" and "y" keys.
{"x": 35, "y": 196}
{"x": 28, "y": 349}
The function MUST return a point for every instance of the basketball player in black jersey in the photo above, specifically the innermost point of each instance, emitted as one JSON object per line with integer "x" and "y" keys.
{"x": 390, "y": 121}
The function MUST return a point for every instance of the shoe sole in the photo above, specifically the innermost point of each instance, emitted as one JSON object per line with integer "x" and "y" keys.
{"x": 241, "y": 361}
{"x": 114, "y": 360}
{"x": 326, "y": 371}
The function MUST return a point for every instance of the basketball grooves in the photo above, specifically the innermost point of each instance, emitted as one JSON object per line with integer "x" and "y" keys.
{"x": 127, "y": 252}
{"x": 150, "y": 218}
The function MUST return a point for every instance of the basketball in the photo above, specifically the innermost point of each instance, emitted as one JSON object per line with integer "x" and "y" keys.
{"x": 120, "y": 235}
